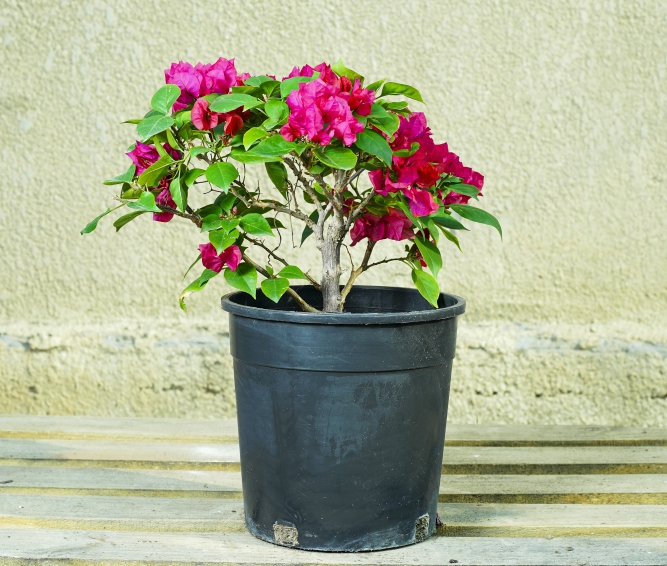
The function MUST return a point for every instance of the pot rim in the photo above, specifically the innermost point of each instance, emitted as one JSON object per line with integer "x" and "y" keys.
{"x": 456, "y": 307}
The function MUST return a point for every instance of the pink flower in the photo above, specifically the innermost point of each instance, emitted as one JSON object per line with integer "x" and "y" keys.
{"x": 143, "y": 155}
{"x": 185, "y": 77}
{"x": 242, "y": 78}
{"x": 233, "y": 123}
{"x": 421, "y": 202}
{"x": 305, "y": 71}
{"x": 318, "y": 113}
{"x": 202, "y": 79}
{"x": 202, "y": 117}
{"x": 359, "y": 99}
{"x": 164, "y": 199}
{"x": 393, "y": 226}
{"x": 231, "y": 257}
{"x": 218, "y": 77}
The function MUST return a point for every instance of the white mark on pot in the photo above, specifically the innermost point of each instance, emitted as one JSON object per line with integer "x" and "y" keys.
{"x": 421, "y": 528}
{"x": 285, "y": 534}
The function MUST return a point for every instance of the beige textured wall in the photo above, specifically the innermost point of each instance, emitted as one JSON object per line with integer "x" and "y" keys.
{"x": 560, "y": 104}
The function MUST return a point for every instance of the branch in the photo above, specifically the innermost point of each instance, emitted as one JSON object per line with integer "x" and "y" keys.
{"x": 291, "y": 292}
{"x": 304, "y": 182}
{"x": 359, "y": 209}
{"x": 253, "y": 202}
{"x": 268, "y": 250}
{"x": 365, "y": 266}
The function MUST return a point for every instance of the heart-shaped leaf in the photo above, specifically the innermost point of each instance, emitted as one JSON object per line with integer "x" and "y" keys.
{"x": 256, "y": 225}
{"x": 337, "y": 157}
{"x": 375, "y": 144}
{"x": 229, "y": 102}
{"x": 275, "y": 288}
{"x": 427, "y": 286}
{"x": 221, "y": 174}
{"x": 154, "y": 125}
{"x": 146, "y": 203}
{"x": 244, "y": 278}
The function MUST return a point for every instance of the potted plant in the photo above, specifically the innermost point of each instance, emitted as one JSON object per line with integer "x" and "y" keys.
{"x": 342, "y": 391}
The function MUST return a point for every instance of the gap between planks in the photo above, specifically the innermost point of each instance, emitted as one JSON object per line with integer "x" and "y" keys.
{"x": 646, "y": 489}
{"x": 225, "y": 430}
{"x": 222, "y": 515}
{"x": 58, "y": 547}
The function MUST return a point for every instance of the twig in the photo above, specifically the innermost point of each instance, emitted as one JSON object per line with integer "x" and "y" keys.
{"x": 253, "y": 202}
{"x": 304, "y": 182}
{"x": 291, "y": 292}
{"x": 359, "y": 209}
{"x": 268, "y": 250}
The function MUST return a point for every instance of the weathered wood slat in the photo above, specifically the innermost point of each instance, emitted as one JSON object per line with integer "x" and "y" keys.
{"x": 221, "y": 457}
{"x": 116, "y": 548}
{"x": 156, "y": 514}
{"x": 587, "y": 489}
{"x": 224, "y": 430}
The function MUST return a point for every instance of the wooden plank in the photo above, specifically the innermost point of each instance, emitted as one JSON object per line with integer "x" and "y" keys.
{"x": 156, "y": 514}
{"x": 224, "y": 430}
{"x": 586, "y": 489}
{"x": 126, "y": 549}
{"x": 225, "y": 457}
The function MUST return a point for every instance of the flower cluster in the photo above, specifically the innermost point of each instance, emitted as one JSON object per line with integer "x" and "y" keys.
{"x": 416, "y": 175}
{"x": 202, "y": 80}
{"x": 323, "y": 108}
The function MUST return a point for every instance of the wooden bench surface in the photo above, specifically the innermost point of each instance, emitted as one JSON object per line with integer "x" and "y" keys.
{"x": 82, "y": 490}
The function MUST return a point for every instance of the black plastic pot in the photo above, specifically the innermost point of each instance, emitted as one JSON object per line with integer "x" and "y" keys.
{"x": 342, "y": 416}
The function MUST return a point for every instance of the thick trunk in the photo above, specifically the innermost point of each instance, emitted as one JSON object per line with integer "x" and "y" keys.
{"x": 331, "y": 270}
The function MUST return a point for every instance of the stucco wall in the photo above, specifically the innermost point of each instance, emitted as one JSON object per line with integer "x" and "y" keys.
{"x": 560, "y": 104}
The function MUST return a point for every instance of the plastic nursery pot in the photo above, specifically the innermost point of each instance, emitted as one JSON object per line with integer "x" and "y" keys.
{"x": 342, "y": 416}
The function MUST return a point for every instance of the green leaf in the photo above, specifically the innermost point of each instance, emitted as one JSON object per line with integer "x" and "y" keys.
{"x": 146, "y": 203}
{"x": 375, "y": 144}
{"x": 406, "y": 210}
{"x": 181, "y": 118}
{"x": 427, "y": 286}
{"x": 133, "y": 121}
{"x": 221, "y": 175}
{"x": 405, "y": 90}
{"x": 179, "y": 193}
{"x": 93, "y": 224}
{"x": 257, "y": 81}
{"x": 477, "y": 215}
{"x": 244, "y": 278}
{"x": 210, "y": 222}
{"x": 171, "y": 139}
{"x": 221, "y": 239}
{"x": 154, "y": 125}
{"x": 383, "y": 120}
{"x": 275, "y": 288}
{"x": 126, "y": 219}
{"x": 249, "y": 157}
{"x": 192, "y": 175}
{"x": 207, "y": 275}
{"x": 337, "y": 157}
{"x": 447, "y": 221}
{"x": 288, "y": 85}
{"x": 226, "y": 202}
{"x": 342, "y": 71}
{"x": 191, "y": 266}
{"x": 194, "y": 287}
{"x": 124, "y": 178}
{"x": 164, "y": 98}
{"x": 463, "y": 189}
{"x": 278, "y": 175}
{"x": 252, "y": 135}
{"x": 154, "y": 174}
{"x": 229, "y": 102}
{"x": 256, "y": 225}
{"x": 292, "y": 272}
{"x": 452, "y": 238}
{"x": 400, "y": 105}
{"x": 430, "y": 253}
{"x": 194, "y": 151}
{"x": 277, "y": 111}
{"x": 307, "y": 231}
{"x": 376, "y": 85}
{"x": 275, "y": 146}
{"x": 407, "y": 152}
{"x": 228, "y": 224}
{"x": 433, "y": 230}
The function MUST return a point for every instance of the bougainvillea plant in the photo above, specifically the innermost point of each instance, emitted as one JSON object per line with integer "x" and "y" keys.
{"x": 346, "y": 159}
